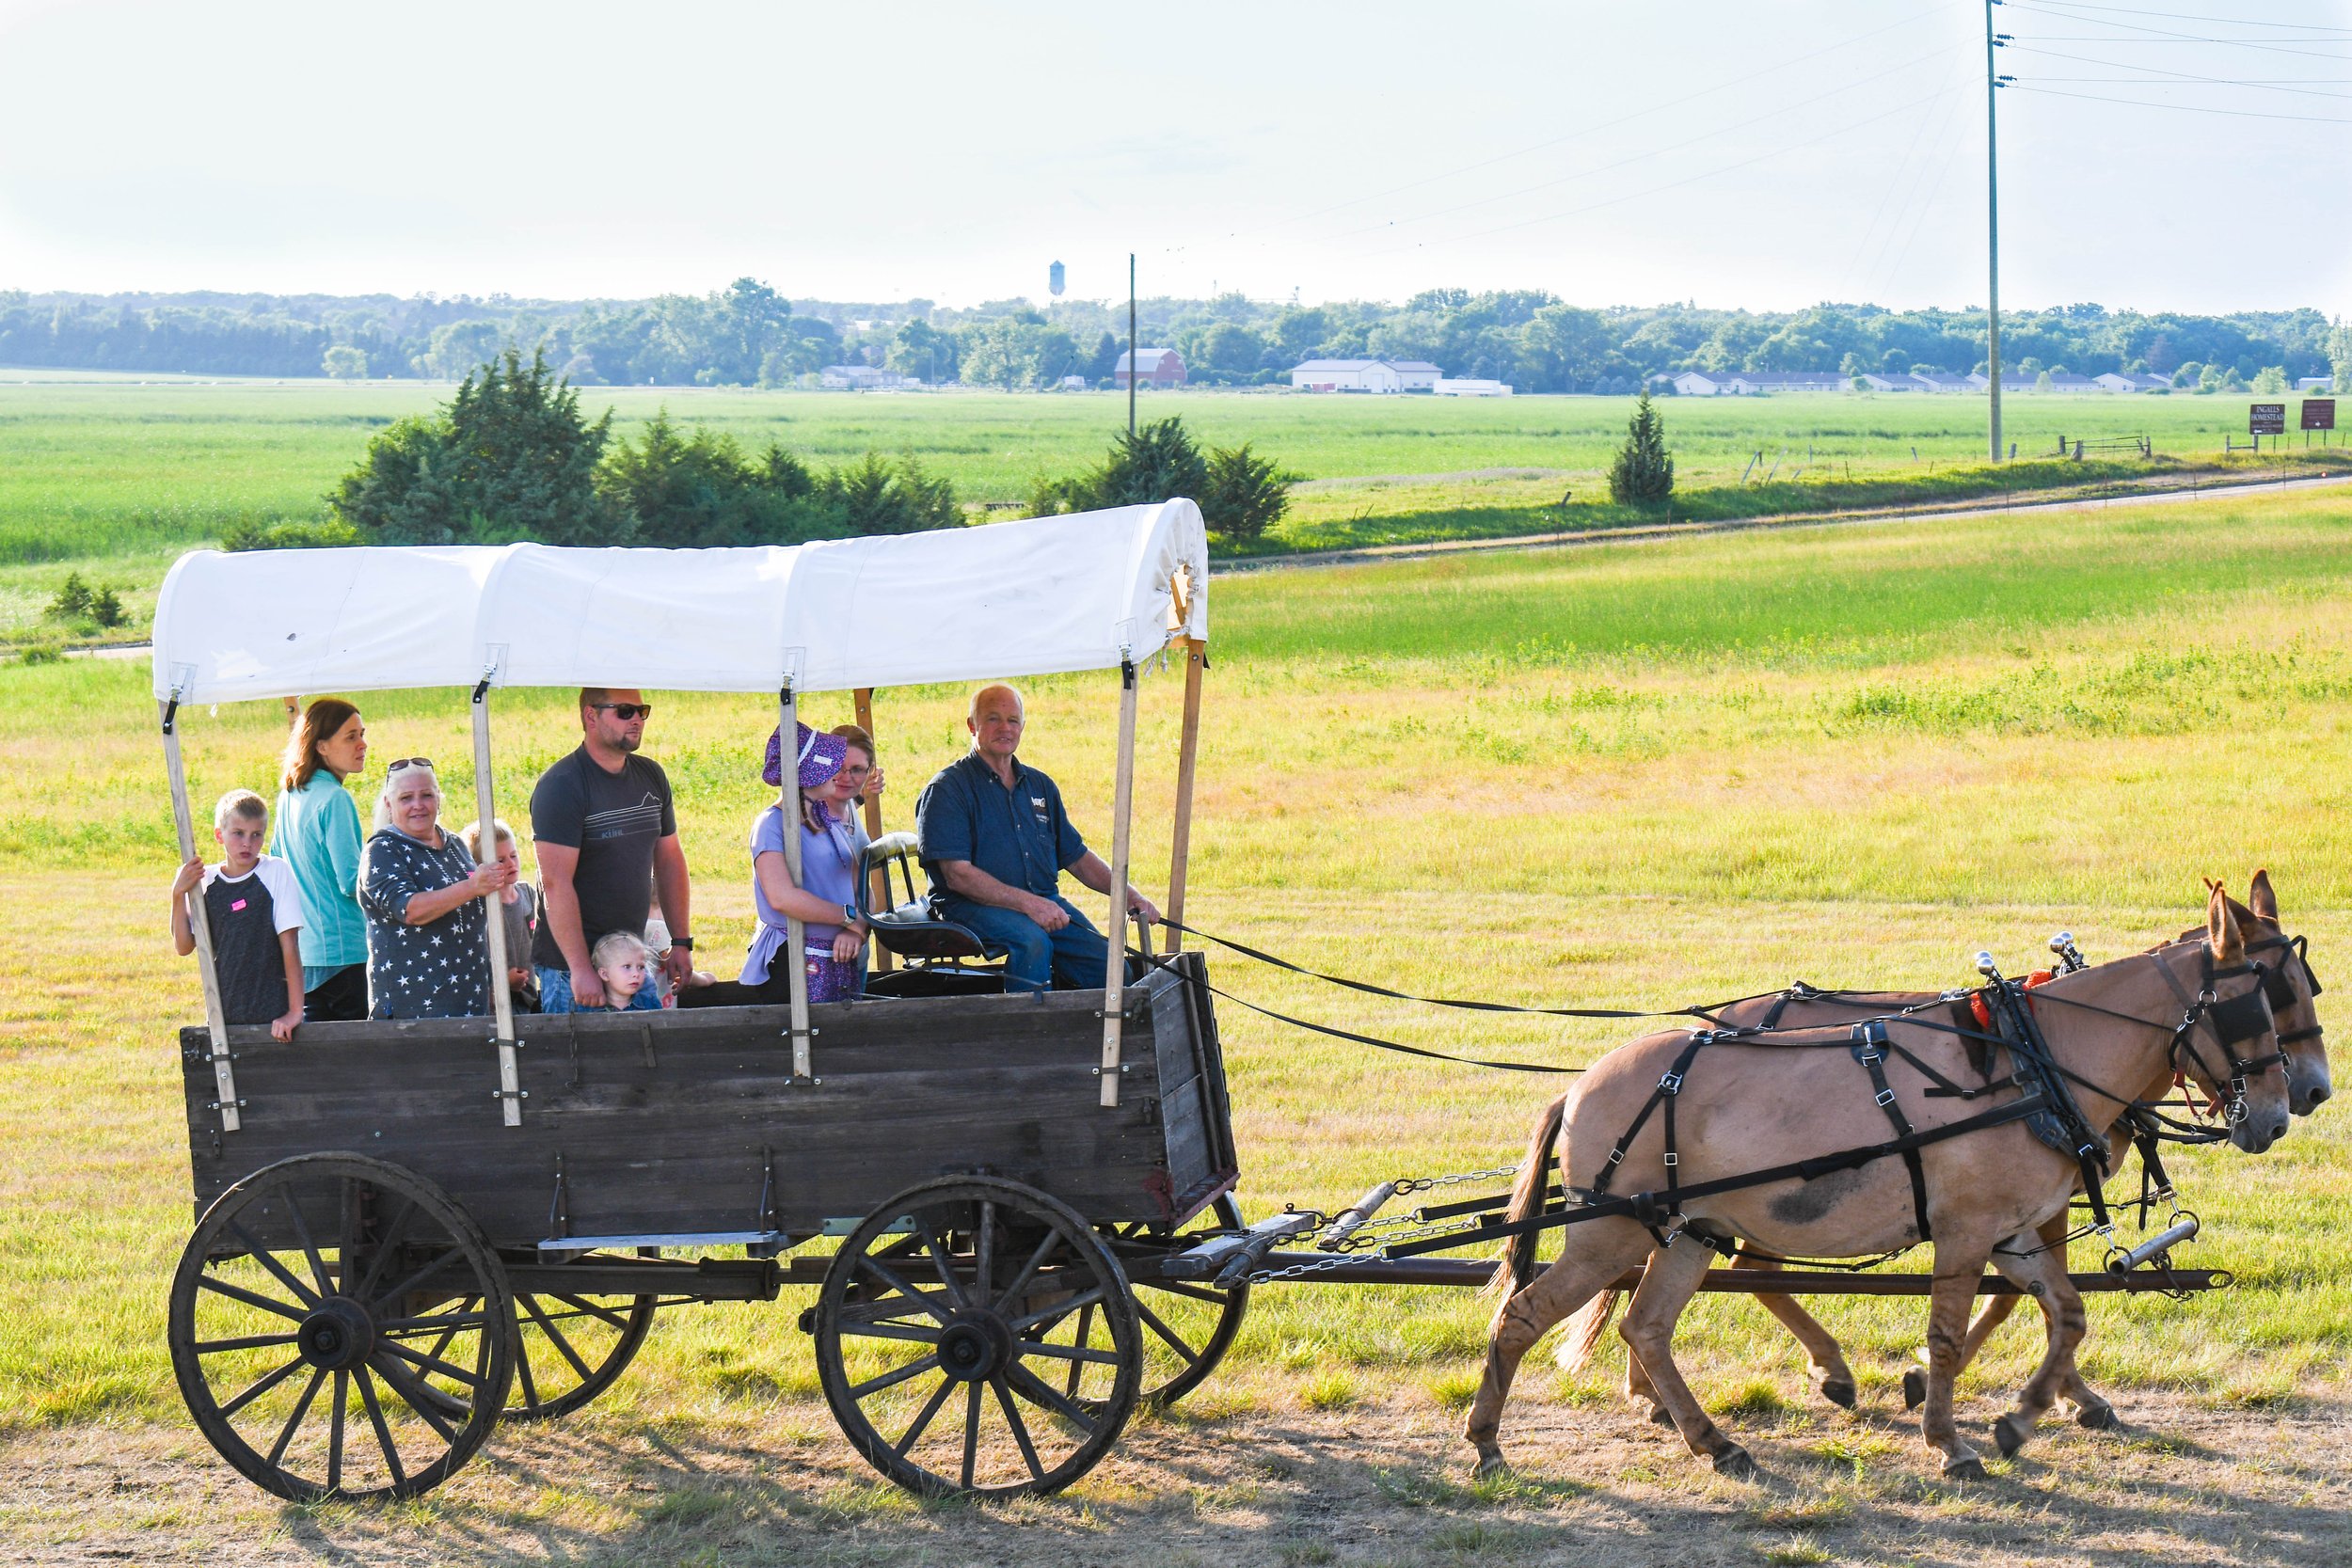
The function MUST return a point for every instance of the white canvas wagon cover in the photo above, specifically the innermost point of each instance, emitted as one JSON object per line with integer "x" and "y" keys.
{"x": 1040, "y": 596}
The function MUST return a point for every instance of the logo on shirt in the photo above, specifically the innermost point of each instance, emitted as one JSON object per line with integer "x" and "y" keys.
{"x": 624, "y": 821}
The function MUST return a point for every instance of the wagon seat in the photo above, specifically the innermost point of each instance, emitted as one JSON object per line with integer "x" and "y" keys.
{"x": 943, "y": 957}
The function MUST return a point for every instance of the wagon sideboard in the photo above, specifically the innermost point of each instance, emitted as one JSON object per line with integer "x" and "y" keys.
{"x": 688, "y": 1123}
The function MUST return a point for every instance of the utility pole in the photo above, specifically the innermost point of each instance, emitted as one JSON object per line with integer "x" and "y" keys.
{"x": 1130, "y": 345}
{"x": 1993, "y": 225}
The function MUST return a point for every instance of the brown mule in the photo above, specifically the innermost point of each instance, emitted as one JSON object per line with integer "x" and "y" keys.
{"x": 1745, "y": 1107}
{"x": 2308, "y": 1086}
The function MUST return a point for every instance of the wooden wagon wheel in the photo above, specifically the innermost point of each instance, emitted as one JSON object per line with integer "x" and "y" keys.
{"x": 341, "y": 1277}
{"x": 973, "y": 1336}
{"x": 568, "y": 1348}
{"x": 1188, "y": 1325}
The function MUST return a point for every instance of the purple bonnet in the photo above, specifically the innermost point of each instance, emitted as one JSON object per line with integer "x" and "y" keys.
{"x": 821, "y": 756}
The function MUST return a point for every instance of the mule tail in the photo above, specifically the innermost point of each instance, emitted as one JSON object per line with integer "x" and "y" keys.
{"x": 1517, "y": 1263}
{"x": 1586, "y": 1326}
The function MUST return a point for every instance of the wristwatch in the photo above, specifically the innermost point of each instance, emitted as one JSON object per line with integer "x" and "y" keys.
{"x": 687, "y": 942}
{"x": 849, "y": 915}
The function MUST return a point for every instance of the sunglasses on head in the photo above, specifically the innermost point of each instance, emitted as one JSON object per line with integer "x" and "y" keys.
{"x": 627, "y": 711}
{"x": 410, "y": 762}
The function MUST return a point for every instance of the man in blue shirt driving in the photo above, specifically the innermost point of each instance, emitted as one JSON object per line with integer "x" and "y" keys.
{"x": 995, "y": 840}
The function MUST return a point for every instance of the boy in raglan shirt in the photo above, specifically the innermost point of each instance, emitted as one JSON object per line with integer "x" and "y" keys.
{"x": 254, "y": 911}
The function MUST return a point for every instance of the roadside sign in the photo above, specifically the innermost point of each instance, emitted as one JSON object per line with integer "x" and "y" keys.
{"x": 2319, "y": 413}
{"x": 2266, "y": 419}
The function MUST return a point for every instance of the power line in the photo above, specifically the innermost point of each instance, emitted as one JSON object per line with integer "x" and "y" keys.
{"x": 1601, "y": 125}
{"x": 1676, "y": 185}
{"x": 1654, "y": 152}
{"x": 2165, "y": 35}
{"x": 2186, "y": 16}
{"x": 2184, "y": 108}
{"x": 2024, "y": 48}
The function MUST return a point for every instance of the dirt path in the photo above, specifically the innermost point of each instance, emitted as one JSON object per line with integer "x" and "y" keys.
{"x": 2183, "y": 1484}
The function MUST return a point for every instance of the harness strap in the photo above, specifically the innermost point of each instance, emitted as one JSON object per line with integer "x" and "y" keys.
{"x": 1869, "y": 1049}
{"x": 1593, "y": 1205}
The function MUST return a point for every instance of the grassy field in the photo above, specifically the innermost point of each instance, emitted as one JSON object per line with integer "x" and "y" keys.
{"x": 114, "y": 478}
{"x": 1638, "y": 774}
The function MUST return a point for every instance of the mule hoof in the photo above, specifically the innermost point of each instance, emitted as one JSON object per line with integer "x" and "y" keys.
{"x": 1970, "y": 1468}
{"x": 1734, "y": 1461}
{"x": 1840, "y": 1391}
{"x": 1491, "y": 1465}
{"x": 1914, "y": 1388}
{"x": 2098, "y": 1417}
{"x": 2010, "y": 1435}
{"x": 1660, "y": 1415}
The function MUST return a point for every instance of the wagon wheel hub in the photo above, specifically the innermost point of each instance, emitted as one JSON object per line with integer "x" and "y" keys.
{"x": 337, "y": 1333}
{"x": 975, "y": 1346}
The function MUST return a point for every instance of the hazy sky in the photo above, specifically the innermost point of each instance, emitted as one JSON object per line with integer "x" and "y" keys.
{"x": 1735, "y": 151}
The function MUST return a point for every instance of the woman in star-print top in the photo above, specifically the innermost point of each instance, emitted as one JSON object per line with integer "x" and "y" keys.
{"x": 428, "y": 947}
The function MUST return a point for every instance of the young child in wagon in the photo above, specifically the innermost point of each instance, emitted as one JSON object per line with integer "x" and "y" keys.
{"x": 254, "y": 911}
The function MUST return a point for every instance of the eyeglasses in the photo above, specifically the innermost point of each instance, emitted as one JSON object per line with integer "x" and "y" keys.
{"x": 627, "y": 711}
{"x": 855, "y": 772}
{"x": 425, "y": 763}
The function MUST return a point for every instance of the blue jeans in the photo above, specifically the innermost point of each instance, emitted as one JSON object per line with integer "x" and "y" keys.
{"x": 1078, "y": 956}
{"x": 555, "y": 993}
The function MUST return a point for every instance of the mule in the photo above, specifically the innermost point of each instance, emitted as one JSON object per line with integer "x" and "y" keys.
{"x": 2292, "y": 988}
{"x": 1745, "y": 1106}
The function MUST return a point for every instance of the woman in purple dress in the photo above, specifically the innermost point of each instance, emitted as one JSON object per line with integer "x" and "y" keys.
{"x": 825, "y": 899}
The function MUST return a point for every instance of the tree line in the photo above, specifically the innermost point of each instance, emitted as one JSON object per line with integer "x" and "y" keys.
{"x": 749, "y": 335}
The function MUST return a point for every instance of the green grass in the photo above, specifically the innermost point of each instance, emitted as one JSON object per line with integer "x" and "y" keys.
{"x": 1630, "y": 773}
{"x": 115, "y": 477}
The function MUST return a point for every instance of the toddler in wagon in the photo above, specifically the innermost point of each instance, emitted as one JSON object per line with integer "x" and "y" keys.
{"x": 254, "y": 912}
{"x": 619, "y": 959}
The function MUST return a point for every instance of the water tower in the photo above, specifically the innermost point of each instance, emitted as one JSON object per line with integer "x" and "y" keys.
{"x": 1054, "y": 279}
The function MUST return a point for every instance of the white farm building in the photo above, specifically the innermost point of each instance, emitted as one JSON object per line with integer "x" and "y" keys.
{"x": 1365, "y": 376}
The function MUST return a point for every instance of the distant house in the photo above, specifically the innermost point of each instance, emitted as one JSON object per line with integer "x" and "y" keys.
{"x": 1470, "y": 387}
{"x": 1162, "y": 367}
{"x": 1935, "y": 381}
{"x": 2060, "y": 381}
{"x": 2315, "y": 383}
{"x": 1878, "y": 383}
{"x": 859, "y": 378}
{"x": 1416, "y": 376}
{"x": 1346, "y": 376}
{"x": 2127, "y": 381}
{"x": 1698, "y": 384}
{"x": 1756, "y": 382}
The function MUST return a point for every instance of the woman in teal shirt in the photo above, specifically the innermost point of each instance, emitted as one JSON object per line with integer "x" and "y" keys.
{"x": 318, "y": 834}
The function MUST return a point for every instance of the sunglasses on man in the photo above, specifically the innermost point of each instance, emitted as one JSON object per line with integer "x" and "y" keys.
{"x": 627, "y": 711}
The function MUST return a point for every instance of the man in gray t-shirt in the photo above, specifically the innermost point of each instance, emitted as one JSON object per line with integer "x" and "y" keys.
{"x": 606, "y": 835}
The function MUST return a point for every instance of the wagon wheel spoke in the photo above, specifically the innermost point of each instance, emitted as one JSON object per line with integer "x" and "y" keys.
{"x": 1020, "y": 1428}
{"x": 1054, "y": 1314}
{"x": 408, "y": 1390}
{"x": 916, "y": 1368}
{"x": 1085, "y": 1332}
{"x": 524, "y": 1374}
{"x": 946, "y": 1386}
{"x": 448, "y": 1322}
{"x": 262, "y": 1255}
{"x": 335, "y": 1431}
{"x": 971, "y": 1431}
{"x": 1175, "y": 1341}
{"x": 252, "y": 1298}
{"x": 1026, "y": 1384}
{"x": 1028, "y": 1271}
{"x": 1079, "y": 1353}
{"x": 418, "y": 1276}
{"x": 915, "y": 1332}
{"x": 563, "y": 1346}
{"x": 249, "y": 1342}
{"x": 898, "y": 1282}
{"x": 383, "y": 1430}
{"x": 593, "y": 1310}
{"x": 310, "y": 1248}
{"x": 302, "y": 1408}
{"x": 983, "y": 1254}
{"x": 944, "y": 1269}
{"x": 387, "y": 1248}
{"x": 433, "y": 1364}
{"x": 268, "y": 1381}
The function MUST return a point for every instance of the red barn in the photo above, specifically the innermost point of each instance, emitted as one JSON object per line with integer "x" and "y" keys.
{"x": 1162, "y": 367}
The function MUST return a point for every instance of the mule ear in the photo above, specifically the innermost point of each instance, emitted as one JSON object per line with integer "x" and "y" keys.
{"x": 2260, "y": 898}
{"x": 2211, "y": 886}
{"x": 2222, "y": 931}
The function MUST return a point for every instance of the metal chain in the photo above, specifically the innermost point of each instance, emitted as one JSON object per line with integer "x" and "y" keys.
{"x": 1405, "y": 1185}
{"x": 1320, "y": 1265}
